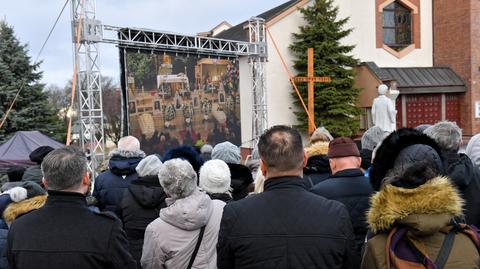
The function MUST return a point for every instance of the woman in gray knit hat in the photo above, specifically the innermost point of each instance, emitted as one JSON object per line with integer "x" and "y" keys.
{"x": 190, "y": 217}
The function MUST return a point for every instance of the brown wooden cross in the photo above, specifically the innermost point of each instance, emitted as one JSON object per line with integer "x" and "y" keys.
{"x": 311, "y": 79}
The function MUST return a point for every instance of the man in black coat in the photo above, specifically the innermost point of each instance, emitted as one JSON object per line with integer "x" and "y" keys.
{"x": 64, "y": 233}
{"x": 285, "y": 226}
{"x": 347, "y": 185}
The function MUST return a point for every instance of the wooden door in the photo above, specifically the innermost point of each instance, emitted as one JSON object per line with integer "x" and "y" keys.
{"x": 452, "y": 109}
{"x": 423, "y": 109}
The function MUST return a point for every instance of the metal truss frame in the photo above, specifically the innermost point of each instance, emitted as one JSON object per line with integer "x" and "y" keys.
{"x": 257, "y": 61}
{"x": 89, "y": 73}
{"x": 156, "y": 40}
{"x": 89, "y": 82}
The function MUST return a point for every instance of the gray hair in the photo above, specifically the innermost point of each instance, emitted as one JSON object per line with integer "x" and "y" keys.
{"x": 64, "y": 168}
{"x": 129, "y": 143}
{"x": 227, "y": 152}
{"x": 372, "y": 137}
{"x": 177, "y": 178}
{"x": 447, "y": 134}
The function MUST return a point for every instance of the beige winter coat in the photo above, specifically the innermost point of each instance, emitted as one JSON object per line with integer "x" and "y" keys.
{"x": 171, "y": 238}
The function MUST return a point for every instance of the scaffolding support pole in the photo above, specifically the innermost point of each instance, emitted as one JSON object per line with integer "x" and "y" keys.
{"x": 257, "y": 60}
{"x": 89, "y": 84}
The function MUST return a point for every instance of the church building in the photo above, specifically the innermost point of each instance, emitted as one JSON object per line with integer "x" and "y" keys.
{"x": 426, "y": 49}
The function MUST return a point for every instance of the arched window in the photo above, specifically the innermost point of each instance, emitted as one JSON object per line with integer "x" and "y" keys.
{"x": 397, "y": 26}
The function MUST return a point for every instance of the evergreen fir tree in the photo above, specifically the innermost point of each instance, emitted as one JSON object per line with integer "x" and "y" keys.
{"x": 32, "y": 111}
{"x": 334, "y": 102}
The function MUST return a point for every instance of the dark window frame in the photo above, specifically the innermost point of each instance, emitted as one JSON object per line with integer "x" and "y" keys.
{"x": 403, "y": 32}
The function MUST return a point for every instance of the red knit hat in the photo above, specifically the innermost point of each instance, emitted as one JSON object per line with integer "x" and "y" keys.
{"x": 342, "y": 147}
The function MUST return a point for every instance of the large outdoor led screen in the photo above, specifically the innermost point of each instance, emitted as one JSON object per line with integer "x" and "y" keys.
{"x": 174, "y": 99}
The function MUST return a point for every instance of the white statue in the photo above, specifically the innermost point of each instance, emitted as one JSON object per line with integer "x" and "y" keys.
{"x": 383, "y": 111}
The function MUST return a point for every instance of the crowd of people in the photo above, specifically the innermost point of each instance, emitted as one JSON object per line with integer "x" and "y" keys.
{"x": 406, "y": 199}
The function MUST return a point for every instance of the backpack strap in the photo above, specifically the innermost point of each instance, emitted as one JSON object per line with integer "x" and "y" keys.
{"x": 472, "y": 232}
{"x": 454, "y": 228}
{"x": 197, "y": 246}
{"x": 445, "y": 250}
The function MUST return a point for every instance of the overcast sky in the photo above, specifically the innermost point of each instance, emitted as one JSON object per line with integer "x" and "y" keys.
{"x": 32, "y": 20}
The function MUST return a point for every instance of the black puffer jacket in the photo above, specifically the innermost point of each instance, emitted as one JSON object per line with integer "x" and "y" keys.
{"x": 110, "y": 185}
{"x": 460, "y": 169}
{"x": 241, "y": 179}
{"x": 317, "y": 169}
{"x": 353, "y": 189}
{"x": 285, "y": 227}
{"x": 140, "y": 206}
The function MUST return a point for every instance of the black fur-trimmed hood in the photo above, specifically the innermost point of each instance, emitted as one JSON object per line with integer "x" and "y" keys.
{"x": 389, "y": 149}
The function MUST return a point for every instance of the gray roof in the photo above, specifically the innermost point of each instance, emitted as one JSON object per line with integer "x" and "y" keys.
{"x": 411, "y": 80}
{"x": 240, "y": 31}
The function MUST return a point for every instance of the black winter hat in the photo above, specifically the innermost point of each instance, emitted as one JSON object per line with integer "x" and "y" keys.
{"x": 391, "y": 148}
{"x": 15, "y": 173}
{"x": 412, "y": 175}
{"x": 39, "y": 153}
{"x": 187, "y": 153}
{"x": 419, "y": 153}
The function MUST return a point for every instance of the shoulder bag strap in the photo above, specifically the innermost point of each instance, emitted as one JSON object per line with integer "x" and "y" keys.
{"x": 445, "y": 250}
{"x": 197, "y": 246}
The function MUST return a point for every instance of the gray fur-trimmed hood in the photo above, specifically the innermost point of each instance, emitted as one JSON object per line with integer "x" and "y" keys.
{"x": 127, "y": 153}
{"x": 124, "y": 162}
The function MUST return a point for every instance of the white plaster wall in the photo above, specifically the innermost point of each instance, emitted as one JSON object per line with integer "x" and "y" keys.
{"x": 279, "y": 89}
{"x": 246, "y": 101}
{"x": 362, "y": 20}
{"x": 219, "y": 29}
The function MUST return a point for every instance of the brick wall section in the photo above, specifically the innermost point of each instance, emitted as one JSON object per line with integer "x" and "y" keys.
{"x": 455, "y": 44}
{"x": 475, "y": 60}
